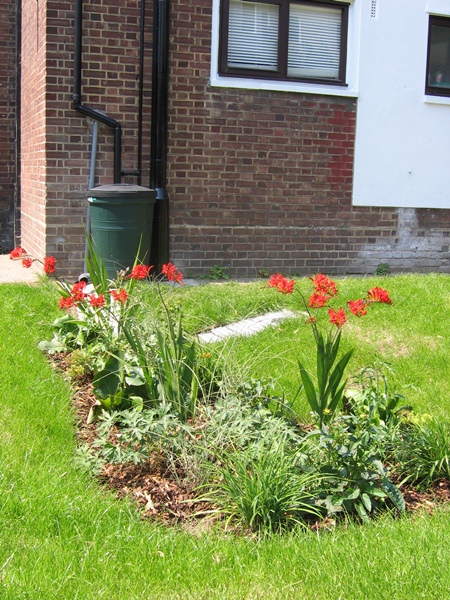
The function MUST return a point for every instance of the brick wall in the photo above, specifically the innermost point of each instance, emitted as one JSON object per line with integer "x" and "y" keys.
{"x": 262, "y": 180}
{"x": 256, "y": 180}
{"x": 56, "y": 138}
{"x": 7, "y": 123}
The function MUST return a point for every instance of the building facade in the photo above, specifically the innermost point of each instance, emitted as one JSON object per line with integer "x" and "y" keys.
{"x": 334, "y": 163}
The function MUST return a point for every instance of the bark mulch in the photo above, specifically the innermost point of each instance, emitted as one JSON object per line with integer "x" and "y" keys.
{"x": 163, "y": 498}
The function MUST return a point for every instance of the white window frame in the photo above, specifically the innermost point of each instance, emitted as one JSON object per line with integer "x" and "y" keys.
{"x": 352, "y": 66}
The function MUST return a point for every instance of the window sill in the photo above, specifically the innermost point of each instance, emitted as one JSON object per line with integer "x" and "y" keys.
{"x": 284, "y": 86}
{"x": 437, "y": 100}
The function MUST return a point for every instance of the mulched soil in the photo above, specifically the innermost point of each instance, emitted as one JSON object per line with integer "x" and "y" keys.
{"x": 160, "y": 497}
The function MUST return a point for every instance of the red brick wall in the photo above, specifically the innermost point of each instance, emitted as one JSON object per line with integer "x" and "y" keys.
{"x": 33, "y": 160}
{"x": 7, "y": 122}
{"x": 256, "y": 180}
{"x": 56, "y": 138}
{"x": 262, "y": 180}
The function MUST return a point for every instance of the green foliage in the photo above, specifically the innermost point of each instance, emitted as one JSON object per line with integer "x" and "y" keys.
{"x": 327, "y": 396}
{"x": 369, "y": 394}
{"x": 263, "y": 488}
{"x": 382, "y": 269}
{"x": 218, "y": 273}
{"x": 177, "y": 377}
{"x": 423, "y": 452}
{"x": 349, "y": 452}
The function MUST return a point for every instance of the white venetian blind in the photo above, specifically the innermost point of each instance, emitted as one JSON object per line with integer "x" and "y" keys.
{"x": 253, "y": 36}
{"x": 314, "y": 41}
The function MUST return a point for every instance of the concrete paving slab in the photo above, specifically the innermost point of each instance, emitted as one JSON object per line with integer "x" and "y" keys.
{"x": 246, "y": 326}
{"x": 12, "y": 271}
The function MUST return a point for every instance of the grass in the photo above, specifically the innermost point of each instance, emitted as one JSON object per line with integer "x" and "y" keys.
{"x": 62, "y": 536}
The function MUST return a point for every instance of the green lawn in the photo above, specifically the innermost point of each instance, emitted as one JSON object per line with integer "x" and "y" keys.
{"x": 62, "y": 536}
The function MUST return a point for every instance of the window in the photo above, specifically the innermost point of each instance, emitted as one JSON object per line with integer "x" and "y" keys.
{"x": 438, "y": 60}
{"x": 284, "y": 39}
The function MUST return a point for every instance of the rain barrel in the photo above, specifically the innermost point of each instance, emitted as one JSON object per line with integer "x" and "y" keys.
{"x": 120, "y": 224}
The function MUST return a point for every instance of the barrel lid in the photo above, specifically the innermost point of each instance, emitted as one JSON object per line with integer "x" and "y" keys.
{"x": 118, "y": 190}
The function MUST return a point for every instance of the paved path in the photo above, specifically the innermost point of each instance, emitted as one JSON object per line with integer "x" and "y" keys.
{"x": 246, "y": 327}
{"x": 12, "y": 271}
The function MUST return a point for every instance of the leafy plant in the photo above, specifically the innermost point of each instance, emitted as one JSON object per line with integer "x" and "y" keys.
{"x": 423, "y": 452}
{"x": 263, "y": 489}
{"x": 369, "y": 394}
{"x": 349, "y": 453}
{"x": 218, "y": 273}
{"x": 382, "y": 269}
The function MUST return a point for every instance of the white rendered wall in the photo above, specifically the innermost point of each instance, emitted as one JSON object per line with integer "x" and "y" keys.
{"x": 402, "y": 153}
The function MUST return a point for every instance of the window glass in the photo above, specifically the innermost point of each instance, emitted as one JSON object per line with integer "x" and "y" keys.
{"x": 438, "y": 66}
{"x": 253, "y": 35}
{"x": 314, "y": 42}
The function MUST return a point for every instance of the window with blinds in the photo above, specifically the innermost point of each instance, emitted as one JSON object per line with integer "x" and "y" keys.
{"x": 284, "y": 39}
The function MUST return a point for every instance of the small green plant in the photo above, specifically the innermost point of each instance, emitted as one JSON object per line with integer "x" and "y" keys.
{"x": 382, "y": 269}
{"x": 263, "y": 489}
{"x": 423, "y": 452}
{"x": 218, "y": 273}
{"x": 369, "y": 394}
{"x": 349, "y": 452}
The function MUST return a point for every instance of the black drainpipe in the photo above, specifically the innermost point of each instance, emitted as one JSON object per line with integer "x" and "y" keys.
{"x": 159, "y": 131}
{"x": 84, "y": 110}
{"x": 17, "y": 199}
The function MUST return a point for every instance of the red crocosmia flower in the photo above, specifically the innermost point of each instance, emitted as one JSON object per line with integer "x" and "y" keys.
{"x": 140, "y": 272}
{"x": 49, "y": 264}
{"x": 377, "y": 294}
{"x": 27, "y": 262}
{"x": 338, "y": 317}
{"x": 77, "y": 291}
{"x": 318, "y": 300}
{"x": 17, "y": 253}
{"x": 172, "y": 273}
{"x": 357, "y": 307}
{"x": 67, "y": 302}
{"x": 311, "y": 320}
{"x": 97, "y": 301}
{"x": 274, "y": 280}
{"x": 120, "y": 296}
{"x": 323, "y": 284}
{"x": 286, "y": 286}
{"x": 283, "y": 284}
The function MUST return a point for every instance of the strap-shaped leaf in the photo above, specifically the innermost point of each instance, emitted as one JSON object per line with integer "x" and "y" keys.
{"x": 309, "y": 389}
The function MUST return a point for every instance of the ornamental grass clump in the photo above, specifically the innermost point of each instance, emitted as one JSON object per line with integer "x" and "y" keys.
{"x": 326, "y": 395}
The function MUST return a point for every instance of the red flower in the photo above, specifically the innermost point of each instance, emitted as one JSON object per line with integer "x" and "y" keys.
{"x": 27, "y": 262}
{"x": 338, "y": 317}
{"x": 357, "y": 307}
{"x": 77, "y": 291}
{"x": 322, "y": 284}
{"x": 318, "y": 300}
{"x": 97, "y": 301}
{"x": 140, "y": 272}
{"x": 120, "y": 296}
{"x": 17, "y": 253}
{"x": 66, "y": 302}
{"x": 283, "y": 284}
{"x": 49, "y": 264}
{"x": 172, "y": 273}
{"x": 377, "y": 294}
{"x": 274, "y": 280}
